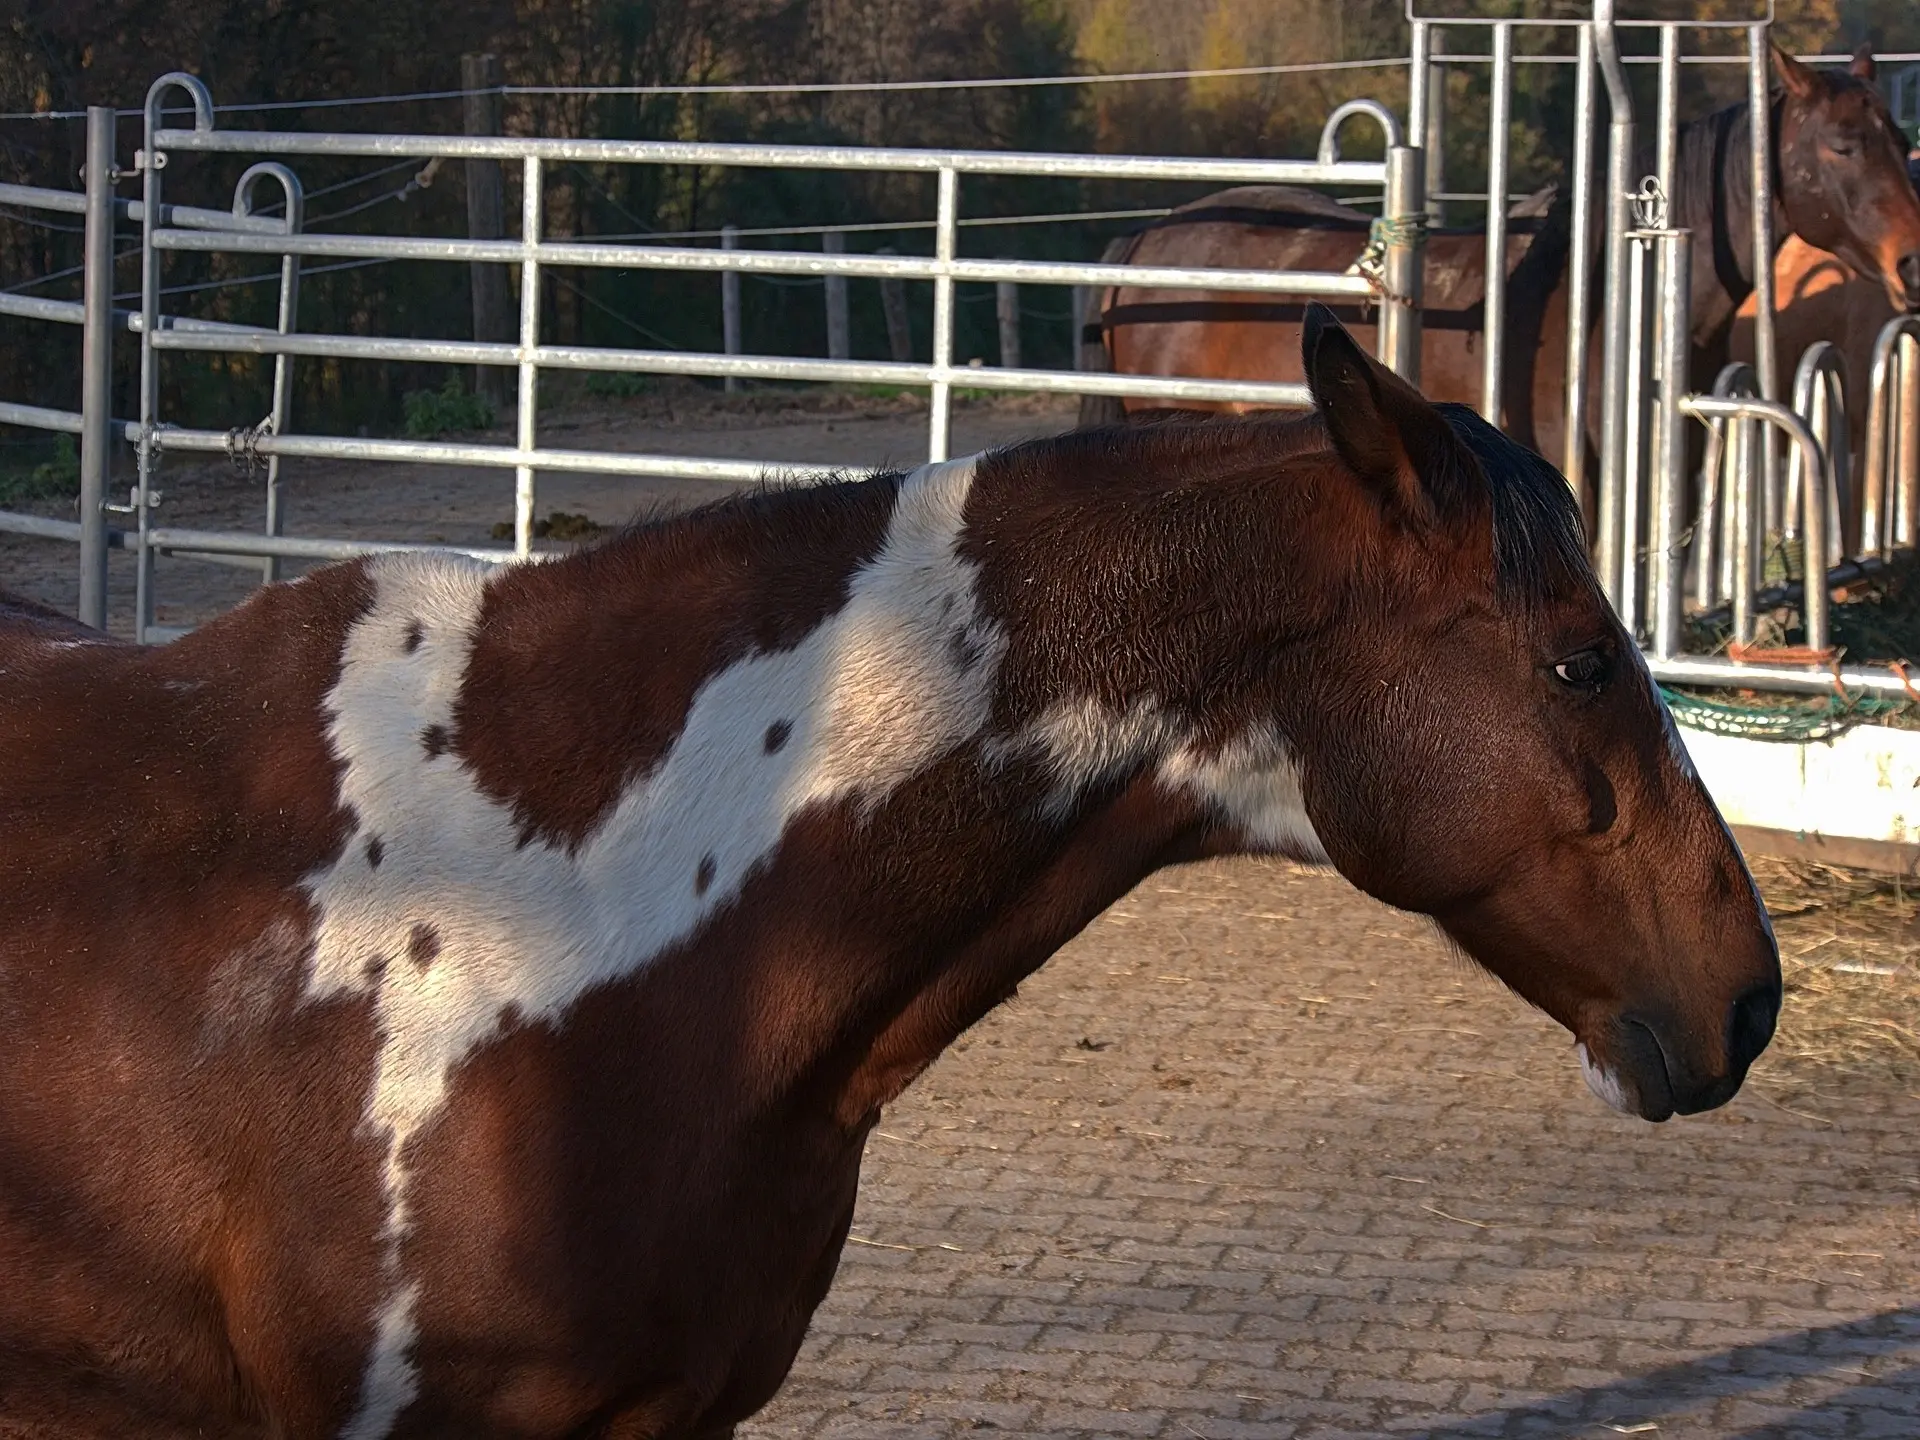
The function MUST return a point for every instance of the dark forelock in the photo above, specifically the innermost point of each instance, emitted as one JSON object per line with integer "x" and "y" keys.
{"x": 1539, "y": 542}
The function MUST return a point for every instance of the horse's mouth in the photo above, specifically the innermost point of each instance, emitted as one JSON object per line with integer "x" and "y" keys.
{"x": 1633, "y": 1078}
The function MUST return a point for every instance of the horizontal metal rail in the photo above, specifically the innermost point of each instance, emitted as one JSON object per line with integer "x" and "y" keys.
{"x": 73, "y": 312}
{"x": 303, "y": 547}
{"x": 191, "y": 217}
{"x": 764, "y": 262}
{"x": 780, "y": 157}
{"x": 749, "y": 367}
{"x": 1719, "y": 672}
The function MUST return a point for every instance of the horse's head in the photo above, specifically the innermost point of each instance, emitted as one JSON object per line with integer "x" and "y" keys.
{"x": 1497, "y": 756}
{"x": 1843, "y": 173}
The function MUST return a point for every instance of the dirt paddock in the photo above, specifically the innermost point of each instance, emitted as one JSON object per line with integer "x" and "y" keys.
{"x": 1256, "y": 1157}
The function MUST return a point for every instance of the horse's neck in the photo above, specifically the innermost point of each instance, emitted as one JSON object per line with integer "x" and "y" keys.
{"x": 1713, "y": 197}
{"x": 903, "y": 731}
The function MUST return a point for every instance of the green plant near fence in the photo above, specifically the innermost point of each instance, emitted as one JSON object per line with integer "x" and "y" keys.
{"x": 447, "y": 411}
{"x": 55, "y": 478}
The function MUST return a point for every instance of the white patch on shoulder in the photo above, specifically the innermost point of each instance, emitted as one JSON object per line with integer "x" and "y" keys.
{"x": 1252, "y": 783}
{"x": 1603, "y": 1082}
{"x": 903, "y": 674}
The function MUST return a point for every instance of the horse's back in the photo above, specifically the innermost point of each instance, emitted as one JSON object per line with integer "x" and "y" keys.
{"x": 25, "y": 622}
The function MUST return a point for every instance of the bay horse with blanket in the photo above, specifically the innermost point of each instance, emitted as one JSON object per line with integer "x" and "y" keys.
{"x": 1840, "y": 184}
{"x": 445, "y": 1000}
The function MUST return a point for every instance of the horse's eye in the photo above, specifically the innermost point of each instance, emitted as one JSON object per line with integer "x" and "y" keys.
{"x": 1586, "y": 670}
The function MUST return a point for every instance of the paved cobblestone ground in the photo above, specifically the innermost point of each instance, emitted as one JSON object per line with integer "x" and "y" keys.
{"x": 1256, "y": 1157}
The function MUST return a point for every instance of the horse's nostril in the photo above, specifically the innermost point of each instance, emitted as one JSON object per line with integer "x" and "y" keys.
{"x": 1750, "y": 1026}
{"x": 1909, "y": 270}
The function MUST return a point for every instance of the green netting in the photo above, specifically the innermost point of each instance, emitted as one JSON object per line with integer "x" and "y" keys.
{"x": 1799, "y": 719}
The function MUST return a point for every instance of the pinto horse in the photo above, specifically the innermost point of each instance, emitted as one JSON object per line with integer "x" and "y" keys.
{"x": 444, "y": 1000}
{"x": 1840, "y": 185}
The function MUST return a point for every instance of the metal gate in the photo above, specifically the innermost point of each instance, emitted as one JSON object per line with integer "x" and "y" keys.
{"x": 166, "y": 228}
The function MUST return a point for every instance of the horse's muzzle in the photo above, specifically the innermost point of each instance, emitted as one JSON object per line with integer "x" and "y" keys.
{"x": 1647, "y": 1071}
{"x": 1908, "y": 269}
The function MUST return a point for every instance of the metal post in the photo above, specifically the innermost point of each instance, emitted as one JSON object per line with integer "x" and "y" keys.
{"x": 486, "y": 219}
{"x": 1906, "y": 493}
{"x": 1877, "y": 497}
{"x": 1669, "y": 578}
{"x": 145, "y": 496}
{"x": 1813, "y": 529}
{"x": 1744, "y": 527}
{"x": 1760, "y": 131}
{"x": 1580, "y": 273}
{"x": 292, "y": 220}
{"x": 1419, "y": 84}
{"x": 1404, "y": 270}
{"x": 730, "y": 305}
{"x": 1495, "y": 307}
{"x": 96, "y": 367}
{"x": 946, "y": 227}
{"x": 1666, "y": 148}
{"x": 1626, "y": 598}
{"x": 1706, "y": 530}
{"x": 1006, "y": 310}
{"x": 525, "y": 412}
{"x": 1620, "y": 144}
{"x": 839, "y": 332}
{"x": 1428, "y": 128}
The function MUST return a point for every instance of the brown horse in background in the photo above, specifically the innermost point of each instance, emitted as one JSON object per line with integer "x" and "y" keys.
{"x": 1840, "y": 185}
{"x": 452, "y": 1001}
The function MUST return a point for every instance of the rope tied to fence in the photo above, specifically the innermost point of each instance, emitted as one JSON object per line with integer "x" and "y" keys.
{"x": 1384, "y": 233}
{"x": 1800, "y": 721}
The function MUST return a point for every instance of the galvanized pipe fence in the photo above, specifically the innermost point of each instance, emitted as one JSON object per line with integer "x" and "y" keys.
{"x": 1656, "y": 529}
{"x": 168, "y": 228}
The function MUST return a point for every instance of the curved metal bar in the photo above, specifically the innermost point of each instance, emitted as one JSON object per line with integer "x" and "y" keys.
{"x": 1820, "y": 395}
{"x": 1713, "y": 551}
{"x": 1772, "y": 412}
{"x": 147, "y": 458}
{"x": 292, "y": 218}
{"x": 1329, "y": 152}
{"x": 1881, "y": 508}
{"x": 197, "y": 92}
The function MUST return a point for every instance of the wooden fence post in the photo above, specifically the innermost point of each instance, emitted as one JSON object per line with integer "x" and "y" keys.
{"x": 839, "y": 332}
{"x": 1006, "y": 309}
{"x": 486, "y": 220}
{"x": 730, "y": 305}
{"x": 893, "y": 300}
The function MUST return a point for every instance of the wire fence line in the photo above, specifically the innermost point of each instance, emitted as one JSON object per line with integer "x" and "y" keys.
{"x": 868, "y": 87}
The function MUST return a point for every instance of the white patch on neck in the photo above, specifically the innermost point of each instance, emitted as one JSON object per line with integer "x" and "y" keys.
{"x": 1083, "y": 742}
{"x": 1253, "y": 784}
{"x": 901, "y": 675}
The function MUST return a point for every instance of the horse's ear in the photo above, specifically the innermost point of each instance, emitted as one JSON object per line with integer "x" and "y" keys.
{"x": 1386, "y": 431}
{"x": 1863, "y": 67}
{"x": 1800, "y": 81}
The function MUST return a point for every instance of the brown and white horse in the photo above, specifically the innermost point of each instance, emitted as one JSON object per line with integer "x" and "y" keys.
{"x": 1840, "y": 185}
{"x": 450, "y": 1001}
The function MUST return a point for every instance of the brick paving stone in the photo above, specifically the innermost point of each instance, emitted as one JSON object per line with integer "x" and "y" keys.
{"x": 1326, "y": 1181}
